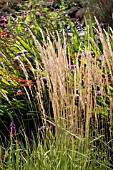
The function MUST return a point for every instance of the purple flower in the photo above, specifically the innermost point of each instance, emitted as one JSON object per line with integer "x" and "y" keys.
{"x": 88, "y": 20}
{"x": 92, "y": 53}
{"x": 42, "y": 127}
{"x": 0, "y": 78}
{"x": 108, "y": 109}
{"x": 73, "y": 66}
{"x": 19, "y": 91}
{"x": 101, "y": 25}
{"x": 44, "y": 79}
{"x": 99, "y": 59}
{"x": 98, "y": 39}
{"x": 12, "y": 129}
{"x": 23, "y": 51}
{"x": 81, "y": 34}
{"x": 72, "y": 71}
{"x": 17, "y": 58}
{"x": 29, "y": 57}
{"x": 80, "y": 55}
{"x": 8, "y": 80}
{"x": 98, "y": 93}
{"x": 78, "y": 25}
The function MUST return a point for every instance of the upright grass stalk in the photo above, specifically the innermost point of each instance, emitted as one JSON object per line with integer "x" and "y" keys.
{"x": 87, "y": 78}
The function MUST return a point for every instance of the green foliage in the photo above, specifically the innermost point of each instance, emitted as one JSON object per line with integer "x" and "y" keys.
{"x": 52, "y": 154}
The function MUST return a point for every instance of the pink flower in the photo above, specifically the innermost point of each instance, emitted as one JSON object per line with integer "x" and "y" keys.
{"x": 38, "y": 13}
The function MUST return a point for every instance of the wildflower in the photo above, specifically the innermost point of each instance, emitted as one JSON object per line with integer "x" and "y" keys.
{"x": 38, "y": 13}
{"x": 92, "y": 53}
{"x": 51, "y": 2}
{"x": 0, "y": 78}
{"x": 8, "y": 79}
{"x": 17, "y": 58}
{"x": 21, "y": 52}
{"x": 98, "y": 40}
{"x": 42, "y": 127}
{"x": 21, "y": 80}
{"x": 3, "y": 71}
{"x": 83, "y": 119}
{"x": 101, "y": 25}
{"x": 44, "y": 79}
{"x": 88, "y": 20}
{"x": 98, "y": 93}
{"x": 108, "y": 109}
{"x": 30, "y": 83}
{"x": 72, "y": 71}
{"x": 36, "y": 6}
{"x": 99, "y": 59}
{"x": 27, "y": 12}
{"x": 3, "y": 19}
{"x": 28, "y": 65}
{"x": 101, "y": 108}
{"x": 12, "y": 129}
{"x": 23, "y": 85}
{"x": 73, "y": 66}
{"x": 78, "y": 25}
{"x": 80, "y": 55}
{"x": 29, "y": 57}
{"x": 3, "y": 33}
{"x": 18, "y": 93}
{"x": 8, "y": 35}
{"x": 81, "y": 34}
{"x": 3, "y": 24}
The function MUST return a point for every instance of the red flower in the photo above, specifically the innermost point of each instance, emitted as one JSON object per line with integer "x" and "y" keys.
{"x": 28, "y": 65}
{"x": 23, "y": 85}
{"x": 101, "y": 108}
{"x": 21, "y": 80}
{"x": 30, "y": 83}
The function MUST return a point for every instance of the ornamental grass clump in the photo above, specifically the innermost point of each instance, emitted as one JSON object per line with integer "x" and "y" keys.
{"x": 64, "y": 100}
{"x": 88, "y": 77}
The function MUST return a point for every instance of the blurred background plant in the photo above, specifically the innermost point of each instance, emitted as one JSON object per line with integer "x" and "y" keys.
{"x": 102, "y": 9}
